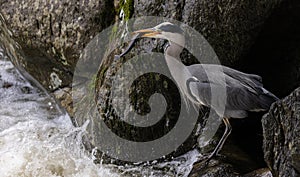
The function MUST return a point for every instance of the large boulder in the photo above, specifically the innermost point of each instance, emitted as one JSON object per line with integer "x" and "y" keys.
{"x": 230, "y": 27}
{"x": 52, "y": 34}
{"x": 281, "y": 130}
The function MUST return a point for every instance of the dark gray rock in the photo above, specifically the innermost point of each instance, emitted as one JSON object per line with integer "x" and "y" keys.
{"x": 276, "y": 51}
{"x": 281, "y": 130}
{"x": 229, "y": 26}
{"x": 52, "y": 34}
{"x": 214, "y": 168}
{"x": 263, "y": 172}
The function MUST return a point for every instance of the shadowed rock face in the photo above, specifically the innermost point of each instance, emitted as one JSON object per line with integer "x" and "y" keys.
{"x": 275, "y": 53}
{"x": 281, "y": 128}
{"x": 229, "y": 26}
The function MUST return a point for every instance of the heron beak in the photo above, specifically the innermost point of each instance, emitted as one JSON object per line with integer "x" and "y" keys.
{"x": 147, "y": 32}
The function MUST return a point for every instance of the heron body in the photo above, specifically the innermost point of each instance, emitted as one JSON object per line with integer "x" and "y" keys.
{"x": 244, "y": 92}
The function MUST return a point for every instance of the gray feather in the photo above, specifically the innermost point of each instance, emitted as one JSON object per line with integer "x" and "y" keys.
{"x": 245, "y": 92}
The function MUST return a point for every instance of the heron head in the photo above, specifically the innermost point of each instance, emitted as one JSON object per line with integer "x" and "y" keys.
{"x": 166, "y": 30}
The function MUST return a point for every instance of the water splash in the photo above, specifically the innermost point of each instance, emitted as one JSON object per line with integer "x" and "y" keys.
{"x": 35, "y": 139}
{"x": 180, "y": 167}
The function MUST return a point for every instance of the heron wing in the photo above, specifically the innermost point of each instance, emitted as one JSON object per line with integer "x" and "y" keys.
{"x": 250, "y": 80}
{"x": 232, "y": 77}
{"x": 243, "y": 91}
{"x": 236, "y": 98}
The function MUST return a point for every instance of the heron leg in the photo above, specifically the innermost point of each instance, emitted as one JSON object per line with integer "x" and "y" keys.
{"x": 223, "y": 139}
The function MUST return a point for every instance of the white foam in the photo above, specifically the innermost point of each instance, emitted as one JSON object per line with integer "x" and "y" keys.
{"x": 43, "y": 148}
{"x": 35, "y": 140}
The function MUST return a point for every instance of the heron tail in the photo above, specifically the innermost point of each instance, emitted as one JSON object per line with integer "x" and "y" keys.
{"x": 267, "y": 98}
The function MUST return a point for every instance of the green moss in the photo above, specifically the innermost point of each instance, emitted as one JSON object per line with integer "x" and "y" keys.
{"x": 113, "y": 33}
{"x": 115, "y": 29}
{"x": 128, "y": 8}
{"x": 92, "y": 84}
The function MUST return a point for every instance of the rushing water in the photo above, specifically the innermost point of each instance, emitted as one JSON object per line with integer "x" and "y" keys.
{"x": 35, "y": 138}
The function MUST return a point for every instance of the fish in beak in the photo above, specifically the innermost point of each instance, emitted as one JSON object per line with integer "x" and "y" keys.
{"x": 135, "y": 36}
{"x": 150, "y": 32}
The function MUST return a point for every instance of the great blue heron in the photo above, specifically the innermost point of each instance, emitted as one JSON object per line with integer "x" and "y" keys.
{"x": 245, "y": 92}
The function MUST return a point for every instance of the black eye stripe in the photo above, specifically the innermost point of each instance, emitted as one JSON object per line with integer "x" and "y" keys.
{"x": 171, "y": 28}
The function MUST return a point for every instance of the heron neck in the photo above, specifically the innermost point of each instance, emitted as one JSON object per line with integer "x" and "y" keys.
{"x": 173, "y": 51}
{"x": 172, "y": 56}
{"x": 177, "y": 69}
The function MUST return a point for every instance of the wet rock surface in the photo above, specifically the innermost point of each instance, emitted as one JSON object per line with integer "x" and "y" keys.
{"x": 281, "y": 128}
